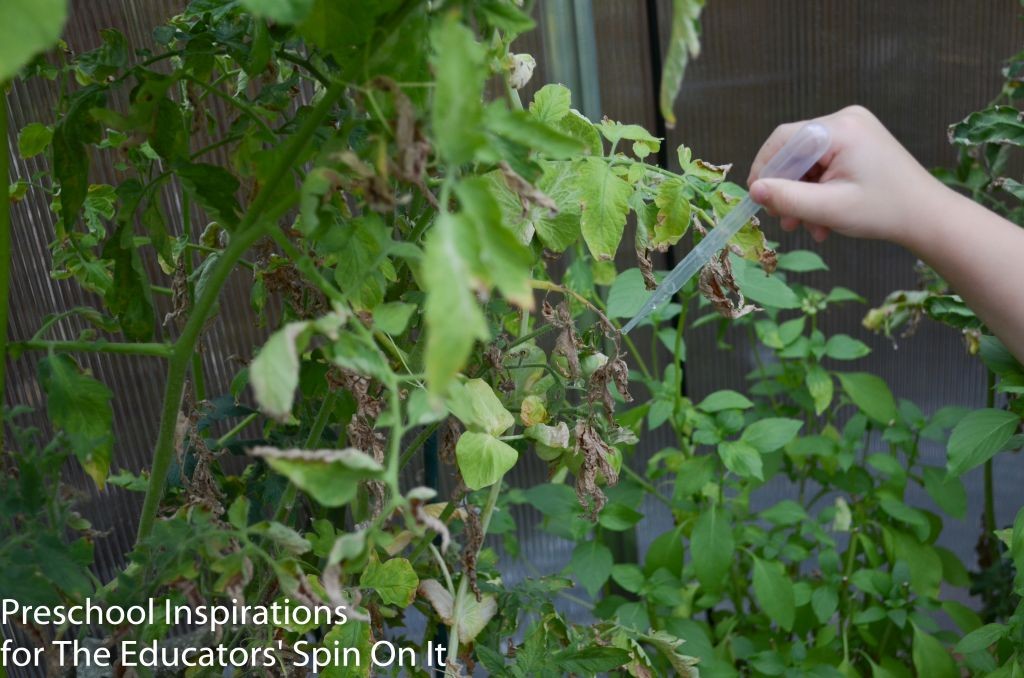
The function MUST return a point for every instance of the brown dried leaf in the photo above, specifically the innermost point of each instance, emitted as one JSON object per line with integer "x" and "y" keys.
{"x": 595, "y": 456}
{"x": 615, "y": 372}
{"x": 643, "y": 259}
{"x": 717, "y": 284}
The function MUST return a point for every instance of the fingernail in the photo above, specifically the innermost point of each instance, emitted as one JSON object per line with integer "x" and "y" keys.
{"x": 759, "y": 192}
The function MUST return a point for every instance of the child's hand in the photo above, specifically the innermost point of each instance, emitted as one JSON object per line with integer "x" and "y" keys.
{"x": 865, "y": 186}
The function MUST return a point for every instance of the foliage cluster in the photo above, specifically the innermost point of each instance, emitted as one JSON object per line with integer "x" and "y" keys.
{"x": 437, "y": 263}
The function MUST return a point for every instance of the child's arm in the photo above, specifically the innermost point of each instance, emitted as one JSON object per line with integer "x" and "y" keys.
{"x": 868, "y": 186}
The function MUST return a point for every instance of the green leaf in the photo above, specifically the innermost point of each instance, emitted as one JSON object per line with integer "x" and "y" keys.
{"x": 393, "y": 317}
{"x": 283, "y": 536}
{"x": 70, "y": 157}
{"x": 214, "y": 188}
{"x": 478, "y": 407}
{"x": 329, "y": 477}
{"x": 683, "y": 45}
{"x": 741, "y": 458}
{"x": 628, "y": 576}
{"x": 506, "y": 16}
{"x": 981, "y": 638}
{"x": 617, "y": 131}
{"x": 820, "y": 386}
{"x": 483, "y": 459}
{"x": 627, "y": 294}
{"x": 870, "y": 394}
{"x": 526, "y": 130}
{"x": 129, "y": 296}
{"x": 551, "y": 103}
{"x": 592, "y": 564}
{"x": 724, "y": 400}
{"x": 288, "y": 12}
{"x": 947, "y": 491}
{"x": 274, "y": 372}
{"x": 845, "y": 347}
{"x": 994, "y": 125}
{"x": 977, "y": 438}
{"x": 757, "y": 286}
{"x": 771, "y": 433}
{"x": 457, "y": 109}
{"x": 801, "y": 261}
{"x": 774, "y": 592}
{"x": 30, "y": 27}
{"x": 712, "y": 547}
{"x": 355, "y": 634}
{"x": 604, "y": 197}
{"x": 394, "y": 580}
{"x": 446, "y": 279}
{"x": 824, "y": 602}
{"x": 79, "y": 406}
{"x": 786, "y": 512}
{"x": 590, "y": 660}
{"x": 500, "y": 259}
{"x": 33, "y": 139}
{"x": 673, "y": 213}
{"x": 930, "y": 657}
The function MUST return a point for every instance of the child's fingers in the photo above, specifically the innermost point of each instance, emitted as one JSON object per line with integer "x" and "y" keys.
{"x": 807, "y": 202}
{"x": 818, "y": 232}
{"x": 789, "y": 224}
{"x": 776, "y": 141}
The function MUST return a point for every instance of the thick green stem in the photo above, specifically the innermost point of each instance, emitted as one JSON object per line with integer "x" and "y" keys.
{"x": 254, "y": 225}
{"x": 156, "y": 350}
{"x": 5, "y": 253}
{"x": 460, "y": 597}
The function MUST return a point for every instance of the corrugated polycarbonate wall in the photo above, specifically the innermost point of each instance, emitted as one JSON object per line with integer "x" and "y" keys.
{"x": 919, "y": 64}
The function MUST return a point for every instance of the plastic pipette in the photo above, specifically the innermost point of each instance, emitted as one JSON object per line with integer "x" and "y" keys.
{"x": 793, "y": 160}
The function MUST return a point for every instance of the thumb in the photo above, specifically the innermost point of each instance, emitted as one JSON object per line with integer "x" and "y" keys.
{"x": 810, "y": 203}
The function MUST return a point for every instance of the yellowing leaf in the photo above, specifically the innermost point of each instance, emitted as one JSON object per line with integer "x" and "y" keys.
{"x": 476, "y": 405}
{"x": 483, "y": 459}
{"x": 604, "y": 197}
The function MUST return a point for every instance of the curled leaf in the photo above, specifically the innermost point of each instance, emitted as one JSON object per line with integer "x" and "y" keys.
{"x": 718, "y": 286}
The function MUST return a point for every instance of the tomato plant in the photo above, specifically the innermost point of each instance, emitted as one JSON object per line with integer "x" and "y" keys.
{"x": 435, "y": 261}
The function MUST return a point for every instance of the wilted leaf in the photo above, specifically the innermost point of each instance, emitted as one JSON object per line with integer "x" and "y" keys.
{"x": 329, "y": 477}
{"x": 684, "y": 44}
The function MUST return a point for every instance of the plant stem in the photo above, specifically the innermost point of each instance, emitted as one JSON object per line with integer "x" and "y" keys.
{"x": 316, "y": 432}
{"x": 251, "y": 229}
{"x": 157, "y": 350}
{"x": 5, "y": 252}
{"x": 460, "y": 597}
{"x": 990, "y": 500}
{"x": 223, "y": 440}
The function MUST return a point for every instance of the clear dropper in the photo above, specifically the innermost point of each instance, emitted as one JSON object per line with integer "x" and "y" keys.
{"x": 793, "y": 160}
